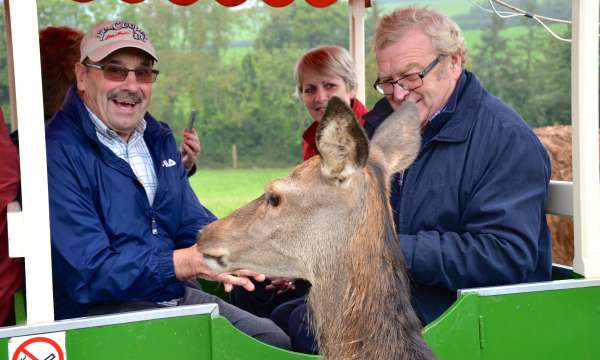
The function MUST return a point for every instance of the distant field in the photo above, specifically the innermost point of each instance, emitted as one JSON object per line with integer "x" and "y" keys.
{"x": 473, "y": 37}
{"x": 448, "y": 7}
{"x": 223, "y": 191}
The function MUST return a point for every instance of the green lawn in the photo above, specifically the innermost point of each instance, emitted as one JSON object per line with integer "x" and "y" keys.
{"x": 224, "y": 190}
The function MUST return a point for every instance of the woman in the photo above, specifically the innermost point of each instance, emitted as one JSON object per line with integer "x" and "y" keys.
{"x": 321, "y": 73}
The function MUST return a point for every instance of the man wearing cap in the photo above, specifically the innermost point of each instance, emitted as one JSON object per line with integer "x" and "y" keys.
{"x": 123, "y": 216}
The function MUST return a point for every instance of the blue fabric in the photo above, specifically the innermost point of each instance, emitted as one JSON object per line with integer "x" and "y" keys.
{"x": 469, "y": 211}
{"x": 301, "y": 335}
{"x": 109, "y": 244}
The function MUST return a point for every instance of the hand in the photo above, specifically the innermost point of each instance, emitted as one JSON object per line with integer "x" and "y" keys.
{"x": 190, "y": 148}
{"x": 239, "y": 278}
{"x": 189, "y": 264}
{"x": 281, "y": 284}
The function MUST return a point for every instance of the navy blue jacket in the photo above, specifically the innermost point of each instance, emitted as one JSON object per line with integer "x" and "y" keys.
{"x": 109, "y": 244}
{"x": 470, "y": 210}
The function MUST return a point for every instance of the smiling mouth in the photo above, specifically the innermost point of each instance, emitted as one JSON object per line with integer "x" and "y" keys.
{"x": 124, "y": 103}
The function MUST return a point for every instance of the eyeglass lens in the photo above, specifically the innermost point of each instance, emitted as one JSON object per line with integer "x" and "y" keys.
{"x": 407, "y": 83}
{"x": 119, "y": 73}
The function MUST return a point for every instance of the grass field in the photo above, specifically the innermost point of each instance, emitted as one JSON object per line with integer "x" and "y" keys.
{"x": 473, "y": 37}
{"x": 223, "y": 191}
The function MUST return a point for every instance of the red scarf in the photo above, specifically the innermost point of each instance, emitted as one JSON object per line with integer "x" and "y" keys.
{"x": 309, "y": 145}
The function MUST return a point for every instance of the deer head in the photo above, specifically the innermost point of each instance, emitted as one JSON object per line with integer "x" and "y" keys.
{"x": 304, "y": 221}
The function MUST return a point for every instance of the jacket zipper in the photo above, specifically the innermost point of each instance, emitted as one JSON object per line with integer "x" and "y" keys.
{"x": 153, "y": 224}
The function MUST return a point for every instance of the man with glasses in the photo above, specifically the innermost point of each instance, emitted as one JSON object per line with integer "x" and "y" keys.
{"x": 469, "y": 211}
{"x": 123, "y": 216}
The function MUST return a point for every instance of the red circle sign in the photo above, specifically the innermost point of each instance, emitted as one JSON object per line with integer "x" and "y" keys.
{"x": 22, "y": 349}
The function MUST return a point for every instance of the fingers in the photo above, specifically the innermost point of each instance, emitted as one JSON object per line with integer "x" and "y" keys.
{"x": 248, "y": 273}
{"x": 187, "y": 151}
{"x": 230, "y": 280}
{"x": 192, "y": 140}
{"x": 282, "y": 285}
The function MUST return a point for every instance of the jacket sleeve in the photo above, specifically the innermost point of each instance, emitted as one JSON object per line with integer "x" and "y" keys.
{"x": 194, "y": 216}
{"x": 89, "y": 268}
{"x": 502, "y": 222}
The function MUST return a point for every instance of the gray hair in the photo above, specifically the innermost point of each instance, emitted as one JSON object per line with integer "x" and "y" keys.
{"x": 446, "y": 36}
{"x": 328, "y": 60}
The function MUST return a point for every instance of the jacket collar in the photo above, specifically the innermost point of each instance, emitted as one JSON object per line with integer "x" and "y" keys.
{"x": 78, "y": 116}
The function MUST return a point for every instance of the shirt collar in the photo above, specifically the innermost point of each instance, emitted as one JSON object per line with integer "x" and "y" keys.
{"x": 110, "y": 134}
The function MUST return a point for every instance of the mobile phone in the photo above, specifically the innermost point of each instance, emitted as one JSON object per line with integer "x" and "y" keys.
{"x": 192, "y": 120}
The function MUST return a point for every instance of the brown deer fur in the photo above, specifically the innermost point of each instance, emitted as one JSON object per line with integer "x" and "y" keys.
{"x": 330, "y": 222}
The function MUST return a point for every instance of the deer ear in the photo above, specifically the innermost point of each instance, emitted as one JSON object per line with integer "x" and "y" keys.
{"x": 399, "y": 137}
{"x": 341, "y": 141}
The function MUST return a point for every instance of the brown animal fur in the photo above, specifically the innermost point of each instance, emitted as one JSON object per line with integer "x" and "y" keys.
{"x": 330, "y": 222}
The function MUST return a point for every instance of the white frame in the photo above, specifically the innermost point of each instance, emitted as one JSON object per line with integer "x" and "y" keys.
{"x": 23, "y": 57}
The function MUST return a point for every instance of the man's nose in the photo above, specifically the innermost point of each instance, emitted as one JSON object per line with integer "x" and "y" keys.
{"x": 131, "y": 81}
{"x": 399, "y": 93}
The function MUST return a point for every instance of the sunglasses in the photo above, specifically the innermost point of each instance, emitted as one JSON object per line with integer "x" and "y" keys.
{"x": 114, "y": 72}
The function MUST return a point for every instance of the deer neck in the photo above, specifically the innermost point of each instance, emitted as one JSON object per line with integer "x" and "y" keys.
{"x": 361, "y": 305}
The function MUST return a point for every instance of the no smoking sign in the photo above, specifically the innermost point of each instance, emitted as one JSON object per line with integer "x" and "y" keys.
{"x": 38, "y": 347}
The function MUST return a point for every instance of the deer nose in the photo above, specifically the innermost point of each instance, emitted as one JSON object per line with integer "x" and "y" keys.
{"x": 215, "y": 259}
{"x": 218, "y": 259}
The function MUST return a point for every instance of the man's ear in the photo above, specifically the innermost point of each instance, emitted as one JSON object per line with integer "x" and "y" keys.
{"x": 456, "y": 65}
{"x": 80, "y": 74}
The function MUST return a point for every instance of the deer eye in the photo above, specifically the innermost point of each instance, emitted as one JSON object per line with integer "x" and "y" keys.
{"x": 273, "y": 199}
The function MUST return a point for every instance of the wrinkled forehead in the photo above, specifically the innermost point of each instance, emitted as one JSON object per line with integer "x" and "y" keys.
{"x": 412, "y": 51}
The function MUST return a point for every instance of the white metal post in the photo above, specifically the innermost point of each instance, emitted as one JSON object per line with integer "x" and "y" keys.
{"x": 356, "y": 20}
{"x": 584, "y": 105}
{"x": 26, "y": 83}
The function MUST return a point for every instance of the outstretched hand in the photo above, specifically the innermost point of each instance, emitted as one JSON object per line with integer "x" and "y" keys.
{"x": 239, "y": 278}
{"x": 281, "y": 284}
{"x": 189, "y": 264}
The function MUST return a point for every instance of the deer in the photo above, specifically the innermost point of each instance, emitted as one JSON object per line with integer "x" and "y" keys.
{"x": 330, "y": 222}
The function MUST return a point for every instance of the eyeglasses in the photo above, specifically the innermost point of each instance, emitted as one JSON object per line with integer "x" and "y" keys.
{"x": 408, "y": 82}
{"x": 114, "y": 72}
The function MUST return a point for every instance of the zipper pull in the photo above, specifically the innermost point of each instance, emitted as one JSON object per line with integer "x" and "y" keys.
{"x": 154, "y": 227}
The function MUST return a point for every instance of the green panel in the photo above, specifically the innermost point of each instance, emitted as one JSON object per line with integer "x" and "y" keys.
{"x": 455, "y": 334}
{"x": 560, "y": 324}
{"x": 232, "y": 344}
{"x": 19, "y": 307}
{"x": 185, "y": 337}
{"x": 553, "y": 324}
{"x": 4, "y": 349}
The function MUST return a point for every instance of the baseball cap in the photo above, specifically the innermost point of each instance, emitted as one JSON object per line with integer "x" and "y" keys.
{"x": 108, "y": 36}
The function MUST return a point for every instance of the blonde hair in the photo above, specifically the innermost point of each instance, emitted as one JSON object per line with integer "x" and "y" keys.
{"x": 328, "y": 60}
{"x": 445, "y": 34}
